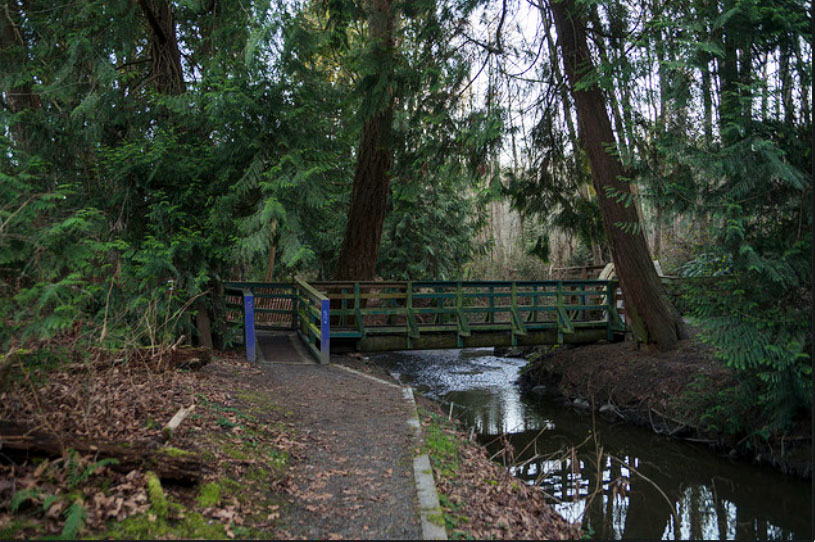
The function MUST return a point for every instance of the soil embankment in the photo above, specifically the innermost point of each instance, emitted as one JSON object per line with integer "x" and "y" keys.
{"x": 684, "y": 393}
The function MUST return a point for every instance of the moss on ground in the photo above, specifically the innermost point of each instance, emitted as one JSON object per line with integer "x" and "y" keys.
{"x": 9, "y": 531}
{"x": 443, "y": 450}
{"x": 158, "y": 500}
{"x": 209, "y": 495}
{"x": 257, "y": 402}
{"x": 439, "y": 445}
{"x": 147, "y": 526}
{"x": 174, "y": 452}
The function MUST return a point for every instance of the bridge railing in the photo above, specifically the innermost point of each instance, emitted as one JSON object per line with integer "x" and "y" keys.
{"x": 313, "y": 321}
{"x": 274, "y": 303}
{"x": 360, "y": 309}
{"x": 320, "y": 311}
{"x": 259, "y": 305}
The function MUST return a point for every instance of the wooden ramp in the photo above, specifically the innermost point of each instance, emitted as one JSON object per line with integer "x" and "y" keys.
{"x": 281, "y": 347}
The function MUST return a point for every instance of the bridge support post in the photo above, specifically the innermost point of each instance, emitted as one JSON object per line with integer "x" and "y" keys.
{"x": 560, "y": 322}
{"x": 325, "y": 331}
{"x": 249, "y": 324}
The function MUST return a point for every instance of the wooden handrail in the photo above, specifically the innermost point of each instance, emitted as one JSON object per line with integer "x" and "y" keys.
{"x": 415, "y": 310}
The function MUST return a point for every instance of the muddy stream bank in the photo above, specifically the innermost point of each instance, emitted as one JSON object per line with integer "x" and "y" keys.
{"x": 622, "y": 482}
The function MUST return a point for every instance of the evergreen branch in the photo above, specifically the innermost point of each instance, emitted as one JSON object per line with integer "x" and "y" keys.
{"x": 134, "y": 63}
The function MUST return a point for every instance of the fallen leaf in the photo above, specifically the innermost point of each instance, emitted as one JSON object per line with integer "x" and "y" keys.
{"x": 55, "y": 509}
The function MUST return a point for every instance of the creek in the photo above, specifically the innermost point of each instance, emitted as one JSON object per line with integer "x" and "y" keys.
{"x": 714, "y": 496}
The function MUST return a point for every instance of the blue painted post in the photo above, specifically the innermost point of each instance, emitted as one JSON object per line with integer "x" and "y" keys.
{"x": 325, "y": 330}
{"x": 249, "y": 324}
{"x": 609, "y": 303}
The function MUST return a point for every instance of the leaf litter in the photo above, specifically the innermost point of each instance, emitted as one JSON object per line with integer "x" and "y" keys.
{"x": 246, "y": 448}
{"x": 482, "y": 500}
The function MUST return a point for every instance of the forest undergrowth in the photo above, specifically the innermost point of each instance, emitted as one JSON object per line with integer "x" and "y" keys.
{"x": 238, "y": 450}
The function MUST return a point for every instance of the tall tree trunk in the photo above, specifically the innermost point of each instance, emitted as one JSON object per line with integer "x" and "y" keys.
{"x": 765, "y": 92}
{"x": 735, "y": 72}
{"x": 786, "y": 84}
{"x": 663, "y": 123}
{"x": 167, "y": 77}
{"x": 20, "y": 97}
{"x": 271, "y": 261}
{"x": 653, "y": 319}
{"x": 202, "y": 324}
{"x": 369, "y": 197}
{"x": 166, "y": 73}
{"x": 805, "y": 78}
{"x": 577, "y": 149}
{"x": 707, "y": 100}
{"x": 622, "y": 141}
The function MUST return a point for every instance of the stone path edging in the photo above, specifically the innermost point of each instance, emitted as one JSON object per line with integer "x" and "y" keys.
{"x": 429, "y": 508}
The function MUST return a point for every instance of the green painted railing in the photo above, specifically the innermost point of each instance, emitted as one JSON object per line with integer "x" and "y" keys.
{"x": 414, "y": 310}
{"x": 313, "y": 320}
{"x": 360, "y": 309}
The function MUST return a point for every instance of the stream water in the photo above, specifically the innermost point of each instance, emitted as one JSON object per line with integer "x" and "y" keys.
{"x": 713, "y": 496}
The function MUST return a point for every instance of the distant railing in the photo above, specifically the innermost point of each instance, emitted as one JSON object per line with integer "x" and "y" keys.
{"x": 274, "y": 303}
{"x": 576, "y": 272}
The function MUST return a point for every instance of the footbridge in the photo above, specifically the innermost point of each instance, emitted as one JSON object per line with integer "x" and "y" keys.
{"x": 416, "y": 315}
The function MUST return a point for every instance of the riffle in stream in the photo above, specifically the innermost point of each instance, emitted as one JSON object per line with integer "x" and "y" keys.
{"x": 714, "y": 497}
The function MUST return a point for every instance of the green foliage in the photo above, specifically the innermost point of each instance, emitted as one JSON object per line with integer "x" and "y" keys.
{"x": 48, "y": 502}
{"x": 77, "y": 473}
{"x": 743, "y": 182}
{"x": 756, "y": 309}
{"x": 75, "y": 517}
{"x": 441, "y": 446}
{"x": 21, "y": 497}
{"x": 123, "y": 209}
{"x": 555, "y": 189}
{"x": 722, "y": 409}
{"x": 223, "y": 423}
{"x": 117, "y": 192}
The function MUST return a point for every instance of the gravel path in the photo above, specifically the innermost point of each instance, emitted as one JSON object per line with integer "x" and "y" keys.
{"x": 355, "y": 477}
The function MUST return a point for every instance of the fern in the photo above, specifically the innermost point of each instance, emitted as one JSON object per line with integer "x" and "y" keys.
{"x": 22, "y": 496}
{"x": 77, "y": 473}
{"x": 75, "y": 517}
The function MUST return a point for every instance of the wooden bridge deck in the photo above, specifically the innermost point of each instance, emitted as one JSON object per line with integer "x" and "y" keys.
{"x": 376, "y": 316}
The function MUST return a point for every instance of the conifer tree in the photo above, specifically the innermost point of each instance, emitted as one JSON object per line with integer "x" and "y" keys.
{"x": 652, "y": 317}
{"x": 369, "y": 195}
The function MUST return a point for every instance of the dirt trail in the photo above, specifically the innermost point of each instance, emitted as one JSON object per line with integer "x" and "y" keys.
{"x": 355, "y": 479}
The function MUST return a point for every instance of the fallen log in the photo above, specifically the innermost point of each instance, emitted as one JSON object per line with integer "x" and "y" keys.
{"x": 168, "y": 463}
{"x": 189, "y": 357}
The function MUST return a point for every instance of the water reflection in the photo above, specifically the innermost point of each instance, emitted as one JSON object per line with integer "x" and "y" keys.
{"x": 641, "y": 475}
